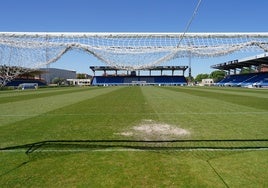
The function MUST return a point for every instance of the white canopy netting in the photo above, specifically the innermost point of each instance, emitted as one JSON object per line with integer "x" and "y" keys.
{"x": 130, "y": 51}
{"x": 124, "y": 50}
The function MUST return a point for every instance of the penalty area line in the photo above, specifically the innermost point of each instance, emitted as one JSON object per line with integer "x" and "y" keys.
{"x": 114, "y": 114}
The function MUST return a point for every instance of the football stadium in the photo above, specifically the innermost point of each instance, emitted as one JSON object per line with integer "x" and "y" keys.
{"x": 140, "y": 123}
{"x": 134, "y": 135}
{"x": 139, "y": 130}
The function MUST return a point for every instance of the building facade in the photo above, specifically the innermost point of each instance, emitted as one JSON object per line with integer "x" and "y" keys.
{"x": 51, "y": 73}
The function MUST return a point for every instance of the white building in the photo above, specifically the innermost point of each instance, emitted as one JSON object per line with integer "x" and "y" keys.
{"x": 79, "y": 82}
{"x": 207, "y": 82}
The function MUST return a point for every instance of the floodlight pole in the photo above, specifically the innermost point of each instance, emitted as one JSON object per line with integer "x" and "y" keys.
{"x": 190, "y": 67}
{"x": 190, "y": 64}
{"x": 47, "y": 65}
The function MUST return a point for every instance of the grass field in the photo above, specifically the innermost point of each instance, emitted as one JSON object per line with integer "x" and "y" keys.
{"x": 101, "y": 137}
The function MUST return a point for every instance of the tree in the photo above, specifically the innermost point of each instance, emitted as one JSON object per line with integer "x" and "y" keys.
{"x": 8, "y": 73}
{"x": 189, "y": 79}
{"x": 199, "y": 77}
{"x": 58, "y": 81}
{"x": 217, "y": 75}
{"x": 245, "y": 70}
{"x": 81, "y": 76}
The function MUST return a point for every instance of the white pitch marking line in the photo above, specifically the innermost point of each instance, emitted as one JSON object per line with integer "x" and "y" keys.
{"x": 171, "y": 113}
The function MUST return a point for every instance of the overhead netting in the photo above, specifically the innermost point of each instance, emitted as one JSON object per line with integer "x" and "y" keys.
{"x": 129, "y": 51}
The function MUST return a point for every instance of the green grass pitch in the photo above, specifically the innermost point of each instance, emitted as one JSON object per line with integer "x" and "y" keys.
{"x": 38, "y": 122}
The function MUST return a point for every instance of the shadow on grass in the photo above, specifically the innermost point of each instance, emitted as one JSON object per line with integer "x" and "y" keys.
{"x": 14, "y": 169}
{"x": 87, "y": 145}
{"x": 54, "y": 148}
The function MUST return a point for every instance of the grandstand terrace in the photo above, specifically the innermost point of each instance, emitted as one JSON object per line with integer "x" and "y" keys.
{"x": 130, "y": 77}
{"x": 257, "y": 76}
{"x": 30, "y": 76}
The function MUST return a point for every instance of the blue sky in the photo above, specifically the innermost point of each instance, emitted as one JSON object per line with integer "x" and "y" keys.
{"x": 132, "y": 16}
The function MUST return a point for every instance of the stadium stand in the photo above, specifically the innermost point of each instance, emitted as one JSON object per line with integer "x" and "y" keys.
{"x": 133, "y": 79}
{"x": 263, "y": 83}
{"x": 17, "y": 82}
{"x": 258, "y": 76}
{"x": 245, "y": 80}
{"x": 138, "y": 80}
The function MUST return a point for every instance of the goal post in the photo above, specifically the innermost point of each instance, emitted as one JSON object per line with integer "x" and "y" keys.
{"x": 130, "y": 51}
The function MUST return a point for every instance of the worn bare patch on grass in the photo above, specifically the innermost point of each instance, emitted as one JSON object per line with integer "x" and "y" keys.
{"x": 151, "y": 130}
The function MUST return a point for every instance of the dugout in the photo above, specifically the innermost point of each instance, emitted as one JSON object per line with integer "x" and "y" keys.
{"x": 24, "y": 86}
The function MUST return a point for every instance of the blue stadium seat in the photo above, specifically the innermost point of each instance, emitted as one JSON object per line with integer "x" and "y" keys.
{"x": 244, "y": 80}
{"x": 138, "y": 80}
{"x": 17, "y": 82}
